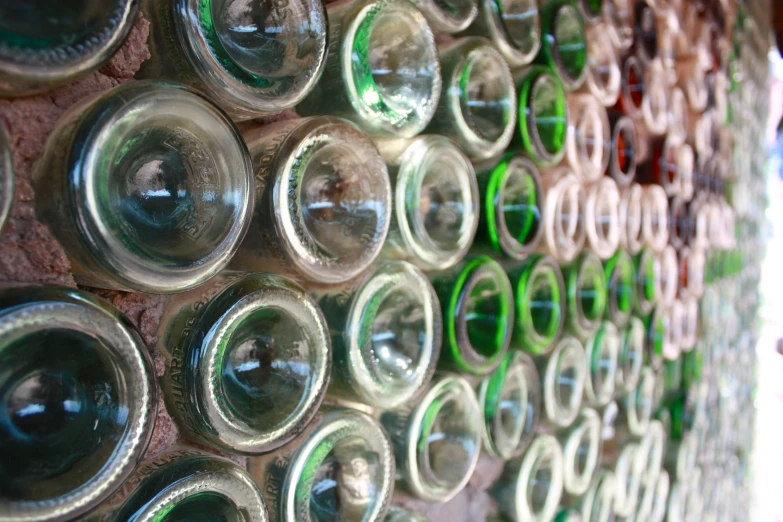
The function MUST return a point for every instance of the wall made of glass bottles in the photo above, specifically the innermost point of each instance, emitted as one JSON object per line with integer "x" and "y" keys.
{"x": 379, "y": 260}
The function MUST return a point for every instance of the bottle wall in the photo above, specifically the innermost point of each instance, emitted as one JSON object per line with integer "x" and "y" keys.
{"x": 591, "y": 237}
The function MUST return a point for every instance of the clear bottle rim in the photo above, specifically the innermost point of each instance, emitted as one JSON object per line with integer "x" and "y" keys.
{"x": 417, "y": 479}
{"x": 78, "y": 311}
{"x": 674, "y": 317}
{"x": 39, "y": 70}
{"x": 678, "y": 115}
{"x": 587, "y": 266}
{"x": 655, "y": 217}
{"x": 494, "y": 205}
{"x": 475, "y": 145}
{"x": 310, "y": 133}
{"x": 87, "y": 173}
{"x": 633, "y": 343}
{"x": 590, "y": 167}
{"x": 619, "y": 272}
{"x": 641, "y": 52}
{"x": 669, "y": 276}
{"x": 647, "y": 281}
{"x": 228, "y": 81}
{"x": 586, "y": 427}
{"x": 686, "y": 162}
{"x": 668, "y": 171}
{"x": 337, "y": 426}
{"x": 677, "y": 503}
{"x": 679, "y": 223}
{"x": 442, "y": 21}
{"x": 653, "y": 442}
{"x": 598, "y": 503}
{"x": 399, "y": 514}
{"x": 655, "y": 107}
{"x": 606, "y": 338}
{"x": 544, "y": 449}
{"x": 631, "y": 216}
{"x": 419, "y": 155}
{"x": 630, "y": 66}
{"x": 639, "y": 403}
{"x": 621, "y": 36}
{"x": 389, "y": 278}
{"x": 626, "y": 481}
{"x": 607, "y": 93}
{"x": 564, "y": 242}
{"x": 541, "y": 78}
{"x": 492, "y": 13}
{"x": 375, "y": 110}
{"x": 519, "y": 368}
{"x": 230, "y": 482}
{"x": 690, "y": 323}
{"x": 602, "y": 207}
{"x": 226, "y": 429}
{"x": 550, "y": 16}
{"x": 564, "y": 414}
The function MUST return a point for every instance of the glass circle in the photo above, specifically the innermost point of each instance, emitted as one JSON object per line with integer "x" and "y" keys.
{"x": 398, "y": 84}
{"x": 486, "y": 94}
{"x": 520, "y": 20}
{"x": 163, "y": 182}
{"x": 543, "y": 290}
{"x": 344, "y": 474}
{"x": 625, "y": 149}
{"x": 279, "y": 44}
{"x": 590, "y": 290}
{"x": 344, "y": 481}
{"x": 621, "y": 284}
{"x": 54, "y": 31}
{"x": 339, "y": 201}
{"x": 446, "y": 439}
{"x": 166, "y": 195}
{"x": 634, "y": 84}
{"x": 391, "y": 336}
{"x": 486, "y": 311}
{"x": 646, "y": 30}
{"x": 62, "y": 413}
{"x": 548, "y": 112}
{"x": 566, "y": 381}
{"x": 267, "y": 367}
{"x": 570, "y": 42}
{"x": 399, "y": 329}
{"x": 203, "y": 507}
{"x": 520, "y": 205}
{"x": 450, "y": 446}
{"x": 444, "y": 206}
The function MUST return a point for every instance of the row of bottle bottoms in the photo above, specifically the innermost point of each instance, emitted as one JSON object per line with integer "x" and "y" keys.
{"x": 151, "y": 188}
{"x": 248, "y": 362}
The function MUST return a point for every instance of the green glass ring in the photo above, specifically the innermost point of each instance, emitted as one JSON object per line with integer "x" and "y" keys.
{"x": 564, "y": 45}
{"x": 510, "y": 401}
{"x": 543, "y": 117}
{"x": 512, "y": 207}
{"x": 586, "y": 294}
{"x": 540, "y": 304}
{"x": 478, "y": 316}
{"x": 620, "y": 274}
{"x": 646, "y": 282}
